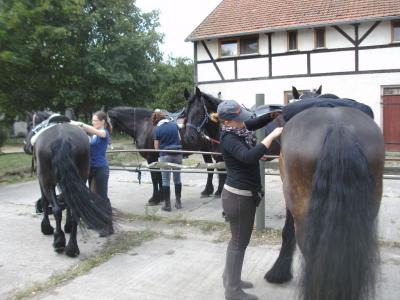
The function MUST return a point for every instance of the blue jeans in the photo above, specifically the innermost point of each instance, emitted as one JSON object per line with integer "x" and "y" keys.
{"x": 166, "y": 175}
{"x": 98, "y": 181}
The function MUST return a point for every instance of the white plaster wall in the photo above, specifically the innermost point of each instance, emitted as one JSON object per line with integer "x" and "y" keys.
{"x": 365, "y": 88}
{"x": 289, "y": 65}
{"x": 279, "y": 42}
{"x": 212, "y": 45}
{"x": 332, "y": 62}
{"x": 227, "y": 69}
{"x": 375, "y": 59}
{"x": 306, "y": 39}
{"x": 250, "y": 68}
{"x": 207, "y": 72}
{"x": 334, "y": 39}
{"x": 263, "y": 44}
{"x": 381, "y": 35}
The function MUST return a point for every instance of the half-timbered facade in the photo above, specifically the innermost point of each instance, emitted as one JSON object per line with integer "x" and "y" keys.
{"x": 352, "y": 48}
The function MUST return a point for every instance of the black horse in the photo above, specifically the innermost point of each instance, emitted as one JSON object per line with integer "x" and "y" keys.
{"x": 61, "y": 158}
{"x": 331, "y": 165}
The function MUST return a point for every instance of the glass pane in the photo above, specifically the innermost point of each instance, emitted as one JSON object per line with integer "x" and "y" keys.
{"x": 248, "y": 46}
{"x": 391, "y": 91}
{"x": 396, "y": 32}
{"x": 320, "y": 38}
{"x": 229, "y": 48}
{"x": 292, "y": 40}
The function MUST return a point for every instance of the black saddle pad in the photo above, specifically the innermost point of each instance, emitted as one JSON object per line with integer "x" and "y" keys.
{"x": 294, "y": 108}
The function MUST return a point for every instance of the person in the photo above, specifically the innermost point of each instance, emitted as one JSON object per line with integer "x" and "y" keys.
{"x": 166, "y": 137}
{"x": 99, "y": 170}
{"x": 240, "y": 195}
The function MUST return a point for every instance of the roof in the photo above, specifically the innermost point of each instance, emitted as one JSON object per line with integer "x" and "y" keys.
{"x": 238, "y": 17}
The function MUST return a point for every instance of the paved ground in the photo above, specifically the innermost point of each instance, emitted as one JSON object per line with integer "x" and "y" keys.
{"x": 180, "y": 261}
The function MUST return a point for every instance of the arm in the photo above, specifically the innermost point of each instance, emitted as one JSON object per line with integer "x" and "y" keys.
{"x": 156, "y": 144}
{"x": 260, "y": 121}
{"x": 90, "y": 129}
{"x": 239, "y": 151}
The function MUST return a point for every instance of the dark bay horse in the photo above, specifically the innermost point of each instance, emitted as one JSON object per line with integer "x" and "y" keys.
{"x": 202, "y": 132}
{"x": 331, "y": 165}
{"x": 61, "y": 157}
{"x": 136, "y": 122}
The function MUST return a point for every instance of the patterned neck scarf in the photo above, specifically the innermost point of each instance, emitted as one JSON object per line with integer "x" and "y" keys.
{"x": 249, "y": 136}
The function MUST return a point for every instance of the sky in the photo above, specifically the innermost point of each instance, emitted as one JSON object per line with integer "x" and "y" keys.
{"x": 178, "y": 18}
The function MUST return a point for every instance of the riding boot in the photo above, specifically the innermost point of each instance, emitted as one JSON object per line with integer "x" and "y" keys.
{"x": 233, "y": 270}
{"x": 167, "y": 198}
{"x": 178, "y": 192}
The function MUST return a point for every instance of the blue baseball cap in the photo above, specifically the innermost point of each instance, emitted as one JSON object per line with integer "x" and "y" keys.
{"x": 231, "y": 110}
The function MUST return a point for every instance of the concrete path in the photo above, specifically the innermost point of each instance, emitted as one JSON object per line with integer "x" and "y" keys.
{"x": 179, "y": 261}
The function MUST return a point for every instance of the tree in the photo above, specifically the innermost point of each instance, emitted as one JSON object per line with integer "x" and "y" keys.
{"x": 173, "y": 77}
{"x": 76, "y": 53}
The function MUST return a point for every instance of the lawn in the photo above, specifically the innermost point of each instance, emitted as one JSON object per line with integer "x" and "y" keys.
{"x": 15, "y": 167}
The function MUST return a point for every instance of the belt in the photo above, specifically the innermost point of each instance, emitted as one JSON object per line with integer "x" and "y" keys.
{"x": 236, "y": 191}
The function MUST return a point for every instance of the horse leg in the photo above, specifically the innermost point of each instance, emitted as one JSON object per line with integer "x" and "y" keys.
{"x": 72, "y": 249}
{"x": 46, "y": 227}
{"x": 209, "y": 189}
{"x": 59, "y": 236}
{"x": 68, "y": 221}
{"x": 156, "y": 198}
{"x": 281, "y": 271}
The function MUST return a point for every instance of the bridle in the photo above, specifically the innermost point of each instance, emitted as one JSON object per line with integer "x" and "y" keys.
{"x": 200, "y": 128}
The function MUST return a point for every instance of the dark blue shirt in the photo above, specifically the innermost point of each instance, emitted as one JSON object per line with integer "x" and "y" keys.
{"x": 168, "y": 135}
{"x": 98, "y": 148}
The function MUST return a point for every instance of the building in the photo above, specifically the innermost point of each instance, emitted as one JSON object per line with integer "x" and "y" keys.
{"x": 351, "y": 48}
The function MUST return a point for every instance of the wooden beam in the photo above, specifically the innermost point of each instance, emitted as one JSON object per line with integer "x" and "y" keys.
{"x": 212, "y": 60}
{"x": 341, "y": 31}
{"x": 367, "y": 33}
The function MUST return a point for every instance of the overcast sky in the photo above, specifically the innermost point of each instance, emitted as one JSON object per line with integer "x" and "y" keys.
{"x": 178, "y": 18}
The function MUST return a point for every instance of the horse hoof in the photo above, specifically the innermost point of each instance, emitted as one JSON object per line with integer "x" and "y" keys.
{"x": 47, "y": 230}
{"x": 72, "y": 251}
{"x": 217, "y": 195}
{"x": 204, "y": 195}
{"x": 153, "y": 203}
{"x": 59, "y": 249}
{"x": 273, "y": 277}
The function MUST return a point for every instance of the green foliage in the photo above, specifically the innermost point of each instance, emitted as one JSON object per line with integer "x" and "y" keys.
{"x": 173, "y": 77}
{"x": 76, "y": 53}
{"x": 3, "y": 136}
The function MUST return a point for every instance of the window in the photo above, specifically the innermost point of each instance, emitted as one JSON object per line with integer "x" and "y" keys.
{"x": 391, "y": 91}
{"x": 248, "y": 45}
{"x": 229, "y": 48}
{"x": 396, "y": 31}
{"x": 292, "y": 40}
{"x": 319, "y": 34}
{"x": 238, "y": 46}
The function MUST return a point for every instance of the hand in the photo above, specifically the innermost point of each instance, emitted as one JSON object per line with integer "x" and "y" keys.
{"x": 80, "y": 124}
{"x": 276, "y": 132}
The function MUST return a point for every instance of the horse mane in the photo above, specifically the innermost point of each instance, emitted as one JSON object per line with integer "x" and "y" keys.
{"x": 212, "y": 100}
{"x": 330, "y": 96}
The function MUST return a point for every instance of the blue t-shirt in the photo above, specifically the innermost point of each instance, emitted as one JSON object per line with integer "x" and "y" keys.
{"x": 98, "y": 148}
{"x": 168, "y": 135}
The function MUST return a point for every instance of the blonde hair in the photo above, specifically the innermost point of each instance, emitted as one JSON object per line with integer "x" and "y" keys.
{"x": 157, "y": 117}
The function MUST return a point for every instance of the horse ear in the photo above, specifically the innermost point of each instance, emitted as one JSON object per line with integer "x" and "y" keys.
{"x": 319, "y": 91}
{"x": 186, "y": 94}
{"x": 295, "y": 93}
{"x": 198, "y": 92}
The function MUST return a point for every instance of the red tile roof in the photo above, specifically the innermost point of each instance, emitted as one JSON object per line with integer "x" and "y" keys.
{"x": 236, "y": 17}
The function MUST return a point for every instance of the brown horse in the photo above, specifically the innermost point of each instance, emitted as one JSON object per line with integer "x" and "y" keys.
{"x": 331, "y": 165}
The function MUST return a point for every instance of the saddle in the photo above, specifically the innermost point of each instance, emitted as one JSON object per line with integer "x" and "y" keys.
{"x": 54, "y": 119}
{"x": 177, "y": 117}
{"x": 265, "y": 109}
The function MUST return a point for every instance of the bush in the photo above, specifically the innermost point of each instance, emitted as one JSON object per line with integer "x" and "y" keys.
{"x": 3, "y": 136}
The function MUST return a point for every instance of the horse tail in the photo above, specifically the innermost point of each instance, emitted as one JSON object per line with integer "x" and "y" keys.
{"x": 93, "y": 210}
{"x": 340, "y": 241}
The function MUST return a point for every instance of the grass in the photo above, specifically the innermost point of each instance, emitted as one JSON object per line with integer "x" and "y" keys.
{"x": 121, "y": 244}
{"x": 15, "y": 168}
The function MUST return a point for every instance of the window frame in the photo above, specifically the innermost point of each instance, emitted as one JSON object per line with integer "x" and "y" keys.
{"x": 395, "y": 23}
{"x": 288, "y": 40}
{"x": 316, "y": 38}
{"x": 238, "y": 41}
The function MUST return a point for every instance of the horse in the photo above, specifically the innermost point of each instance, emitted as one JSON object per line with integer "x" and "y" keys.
{"x": 136, "y": 122}
{"x": 61, "y": 158}
{"x": 202, "y": 132}
{"x": 331, "y": 165}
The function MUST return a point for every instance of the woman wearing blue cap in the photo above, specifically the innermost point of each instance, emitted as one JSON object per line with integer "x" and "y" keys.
{"x": 242, "y": 186}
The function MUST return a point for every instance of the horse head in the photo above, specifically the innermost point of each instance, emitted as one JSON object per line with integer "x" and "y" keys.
{"x": 33, "y": 119}
{"x": 306, "y": 94}
{"x": 199, "y": 106}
